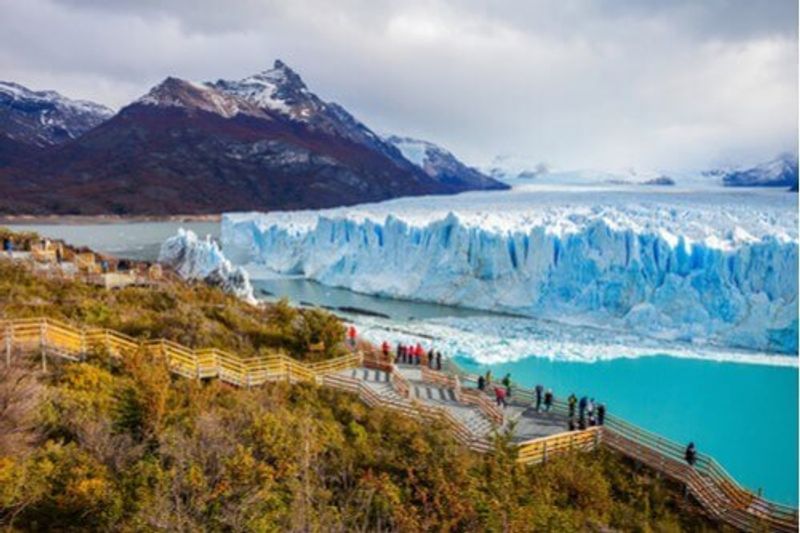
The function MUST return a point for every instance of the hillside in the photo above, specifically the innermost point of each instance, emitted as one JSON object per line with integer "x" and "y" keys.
{"x": 122, "y": 445}
{"x": 265, "y": 142}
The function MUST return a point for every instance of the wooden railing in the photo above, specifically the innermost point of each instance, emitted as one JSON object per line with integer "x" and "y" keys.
{"x": 538, "y": 450}
{"x": 465, "y": 395}
{"x": 70, "y": 342}
{"x": 489, "y": 409}
{"x": 438, "y": 378}
{"x": 400, "y": 383}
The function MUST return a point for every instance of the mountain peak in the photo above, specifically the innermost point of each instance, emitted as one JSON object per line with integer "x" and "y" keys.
{"x": 280, "y": 79}
{"x": 176, "y": 92}
{"x": 44, "y": 118}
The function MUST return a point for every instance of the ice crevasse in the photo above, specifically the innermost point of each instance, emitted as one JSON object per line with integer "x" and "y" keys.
{"x": 599, "y": 273}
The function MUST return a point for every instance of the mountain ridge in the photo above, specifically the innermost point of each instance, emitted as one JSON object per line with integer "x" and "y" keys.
{"x": 265, "y": 142}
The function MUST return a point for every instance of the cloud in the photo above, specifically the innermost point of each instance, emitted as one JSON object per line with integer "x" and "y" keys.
{"x": 575, "y": 83}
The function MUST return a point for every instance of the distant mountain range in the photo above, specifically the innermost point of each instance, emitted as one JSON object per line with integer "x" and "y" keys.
{"x": 780, "y": 172}
{"x": 265, "y": 142}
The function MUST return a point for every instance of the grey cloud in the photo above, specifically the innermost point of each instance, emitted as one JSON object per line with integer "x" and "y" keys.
{"x": 572, "y": 82}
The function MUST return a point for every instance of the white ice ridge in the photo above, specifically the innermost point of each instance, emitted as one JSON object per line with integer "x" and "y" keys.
{"x": 201, "y": 259}
{"x": 715, "y": 268}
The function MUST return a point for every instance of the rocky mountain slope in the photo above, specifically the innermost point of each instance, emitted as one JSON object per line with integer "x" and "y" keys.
{"x": 265, "y": 142}
{"x": 45, "y": 118}
{"x": 780, "y": 172}
{"x": 442, "y": 165}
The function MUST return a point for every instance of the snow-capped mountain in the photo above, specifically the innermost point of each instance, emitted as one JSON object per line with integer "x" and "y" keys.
{"x": 265, "y": 142}
{"x": 281, "y": 90}
{"x": 190, "y": 96}
{"x": 780, "y": 172}
{"x": 441, "y": 164}
{"x": 508, "y": 167}
{"x": 45, "y": 118}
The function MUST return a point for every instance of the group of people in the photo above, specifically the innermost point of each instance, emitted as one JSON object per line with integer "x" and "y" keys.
{"x": 413, "y": 355}
{"x": 589, "y": 412}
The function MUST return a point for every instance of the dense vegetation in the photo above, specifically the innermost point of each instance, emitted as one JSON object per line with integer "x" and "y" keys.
{"x": 193, "y": 314}
{"x": 112, "y": 444}
{"x": 123, "y": 445}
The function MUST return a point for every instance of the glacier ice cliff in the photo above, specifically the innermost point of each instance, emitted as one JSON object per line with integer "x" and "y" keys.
{"x": 612, "y": 270}
{"x": 194, "y": 258}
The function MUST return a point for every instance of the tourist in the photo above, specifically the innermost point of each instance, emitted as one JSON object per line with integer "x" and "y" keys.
{"x": 431, "y": 356}
{"x": 385, "y": 350}
{"x": 539, "y": 390}
{"x": 572, "y": 401}
{"x": 548, "y": 400}
{"x": 420, "y": 352}
{"x": 438, "y": 360}
{"x": 506, "y": 381}
{"x": 481, "y": 383}
{"x": 399, "y": 353}
{"x": 590, "y": 407}
{"x": 351, "y": 336}
{"x": 582, "y": 423}
{"x": 601, "y": 414}
{"x": 571, "y": 423}
{"x": 582, "y": 406}
{"x": 691, "y": 454}
{"x": 500, "y": 396}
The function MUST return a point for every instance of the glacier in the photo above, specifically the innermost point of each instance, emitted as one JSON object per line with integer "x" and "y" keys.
{"x": 194, "y": 258}
{"x": 718, "y": 269}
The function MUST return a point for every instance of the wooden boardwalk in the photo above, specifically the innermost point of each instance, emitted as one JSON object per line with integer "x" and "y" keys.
{"x": 427, "y": 395}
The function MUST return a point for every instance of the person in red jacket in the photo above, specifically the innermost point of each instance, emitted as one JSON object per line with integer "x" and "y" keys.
{"x": 500, "y": 396}
{"x": 385, "y": 350}
{"x": 351, "y": 336}
{"x": 420, "y": 352}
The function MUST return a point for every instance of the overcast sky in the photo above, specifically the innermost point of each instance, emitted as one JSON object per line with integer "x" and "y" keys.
{"x": 662, "y": 85}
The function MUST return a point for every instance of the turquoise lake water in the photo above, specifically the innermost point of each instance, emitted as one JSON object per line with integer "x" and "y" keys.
{"x": 744, "y": 415}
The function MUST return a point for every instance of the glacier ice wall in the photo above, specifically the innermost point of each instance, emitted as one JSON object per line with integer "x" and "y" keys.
{"x": 599, "y": 274}
{"x": 201, "y": 259}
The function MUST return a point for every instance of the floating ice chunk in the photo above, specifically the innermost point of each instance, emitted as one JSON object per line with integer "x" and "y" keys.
{"x": 201, "y": 259}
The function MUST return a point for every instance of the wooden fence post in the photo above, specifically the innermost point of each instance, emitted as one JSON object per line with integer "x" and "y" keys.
{"x": 83, "y": 344}
{"x": 42, "y": 344}
{"x": 9, "y": 334}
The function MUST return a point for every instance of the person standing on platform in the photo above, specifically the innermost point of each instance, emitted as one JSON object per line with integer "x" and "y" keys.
{"x": 691, "y": 454}
{"x": 351, "y": 336}
{"x": 548, "y": 400}
{"x": 539, "y": 390}
{"x": 571, "y": 402}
